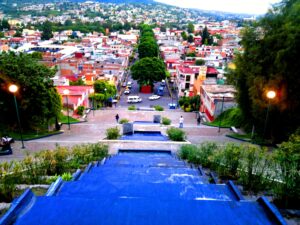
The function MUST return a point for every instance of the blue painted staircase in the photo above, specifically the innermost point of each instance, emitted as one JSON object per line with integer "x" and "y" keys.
{"x": 141, "y": 188}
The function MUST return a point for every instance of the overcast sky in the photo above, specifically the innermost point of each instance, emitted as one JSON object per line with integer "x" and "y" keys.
{"x": 236, "y": 6}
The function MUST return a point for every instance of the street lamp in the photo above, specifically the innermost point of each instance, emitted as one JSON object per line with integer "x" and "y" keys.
{"x": 105, "y": 101}
{"x": 270, "y": 95}
{"x": 221, "y": 114}
{"x": 66, "y": 93}
{"x": 92, "y": 92}
{"x": 13, "y": 89}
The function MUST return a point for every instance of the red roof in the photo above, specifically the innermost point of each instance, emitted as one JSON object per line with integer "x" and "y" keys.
{"x": 211, "y": 70}
{"x": 187, "y": 70}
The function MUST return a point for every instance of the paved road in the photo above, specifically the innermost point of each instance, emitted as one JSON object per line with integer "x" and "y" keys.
{"x": 163, "y": 101}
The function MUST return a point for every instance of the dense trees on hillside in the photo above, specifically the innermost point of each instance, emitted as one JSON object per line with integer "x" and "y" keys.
{"x": 271, "y": 62}
{"x": 38, "y": 101}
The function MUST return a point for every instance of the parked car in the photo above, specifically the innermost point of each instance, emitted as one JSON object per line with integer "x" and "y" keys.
{"x": 154, "y": 97}
{"x": 127, "y": 91}
{"x": 129, "y": 84}
{"x": 134, "y": 99}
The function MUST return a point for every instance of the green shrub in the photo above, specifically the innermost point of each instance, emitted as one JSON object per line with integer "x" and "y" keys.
{"x": 113, "y": 133}
{"x": 66, "y": 176}
{"x": 158, "y": 108}
{"x": 132, "y": 107}
{"x": 52, "y": 179}
{"x": 166, "y": 121}
{"x": 206, "y": 151}
{"x": 185, "y": 151}
{"x": 176, "y": 134}
{"x": 287, "y": 164}
{"x": 80, "y": 110}
{"x": 227, "y": 160}
{"x": 256, "y": 168}
{"x": 187, "y": 109}
{"x": 122, "y": 121}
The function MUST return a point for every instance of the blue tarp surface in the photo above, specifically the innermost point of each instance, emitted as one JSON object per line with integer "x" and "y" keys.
{"x": 143, "y": 188}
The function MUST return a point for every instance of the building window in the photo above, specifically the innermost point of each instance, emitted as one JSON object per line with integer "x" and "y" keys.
{"x": 187, "y": 86}
{"x": 188, "y": 77}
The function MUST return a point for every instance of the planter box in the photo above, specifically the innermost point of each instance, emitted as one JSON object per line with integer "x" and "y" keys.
{"x": 146, "y": 89}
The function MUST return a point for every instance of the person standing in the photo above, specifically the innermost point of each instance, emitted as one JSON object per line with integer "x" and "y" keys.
{"x": 117, "y": 118}
{"x": 181, "y": 122}
{"x": 198, "y": 120}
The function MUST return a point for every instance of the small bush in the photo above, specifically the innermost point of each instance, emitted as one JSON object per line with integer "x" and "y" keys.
{"x": 66, "y": 176}
{"x": 166, "y": 121}
{"x": 158, "y": 108}
{"x": 80, "y": 110}
{"x": 176, "y": 134}
{"x": 122, "y": 121}
{"x": 185, "y": 151}
{"x": 113, "y": 133}
{"x": 132, "y": 107}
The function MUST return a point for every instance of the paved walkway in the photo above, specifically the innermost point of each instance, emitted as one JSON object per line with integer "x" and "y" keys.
{"x": 94, "y": 130}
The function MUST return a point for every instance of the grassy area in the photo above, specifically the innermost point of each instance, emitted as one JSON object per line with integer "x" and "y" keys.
{"x": 245, "y": 137}
{"x": 64, "y": 119}
{"x": 229, "y": 118}
{"x": 27, "y": 135}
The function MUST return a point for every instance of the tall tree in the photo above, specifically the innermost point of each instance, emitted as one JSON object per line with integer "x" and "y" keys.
{"x": 190, "y": 38}
{"x": 191, "y": 28}
{"x": 206, "y": 38}
{"x": 148, "y": 70}
{"x": 270, "y": 62}
{"x": 37, "y": 98}
{"x": 47, "y": 31}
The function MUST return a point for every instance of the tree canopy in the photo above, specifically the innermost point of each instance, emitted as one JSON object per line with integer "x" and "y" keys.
{"x": 206, "y": 37}
{"x": 148, "y": 46}
{"x": 47, "y": 31}
{"x": 271, "y": 62}
{"x": 37, "y": 98}
{"x": 190, "y": 28}
{"x": 148, "y": 70}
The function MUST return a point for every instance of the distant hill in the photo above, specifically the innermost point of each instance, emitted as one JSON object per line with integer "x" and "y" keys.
{"x": 105, "y": 1}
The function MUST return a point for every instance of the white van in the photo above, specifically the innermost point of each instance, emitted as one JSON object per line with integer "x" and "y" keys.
{"x": 133, "y": 99}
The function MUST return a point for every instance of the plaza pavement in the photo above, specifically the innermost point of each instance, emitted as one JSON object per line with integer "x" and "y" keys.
{"x": 94, "y": 129}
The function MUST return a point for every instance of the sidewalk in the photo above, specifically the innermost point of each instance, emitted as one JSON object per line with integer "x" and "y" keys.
{"x": 94, "y": 130}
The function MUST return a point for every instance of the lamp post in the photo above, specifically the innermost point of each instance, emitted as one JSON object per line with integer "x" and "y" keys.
{"x": 13, "y": 89}
{"x": 93, "y": 92}
{"x": 270, "y": 95}
{"x": 66, "y": 93}
{"x": 221, "y": 114}
{"x": 105, "y": 101}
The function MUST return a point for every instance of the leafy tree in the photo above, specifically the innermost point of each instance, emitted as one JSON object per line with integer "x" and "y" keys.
{"x": 148, "y": 49}
{"x": 184, "y": 36}
{"x": 148, "y": 70}
{"x": 18, "y": 34}
{"x": 37, "y": 98}
{"x": 270, "y": 61}
{"x": 206, "y": 37}
{"x": 190, "y": 38}
{"x": 191, "y": 28}
{"x": 4, "y": 24}
{"x": 148, "y": 46}
{"x": 101, "y": 86}
{"x": 199, "y": 62}
{"x": 47, "y": 31}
